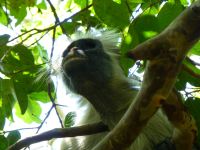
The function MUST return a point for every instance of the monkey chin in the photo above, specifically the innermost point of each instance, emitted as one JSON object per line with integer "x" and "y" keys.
{"x": 72, "y": 63}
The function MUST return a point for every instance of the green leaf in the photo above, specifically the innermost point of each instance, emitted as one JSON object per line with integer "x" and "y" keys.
{"x": 142, "y": 30}
{"x": 195, "y": 49}
{"x": 2, "y": 119}
{"x": 184, "y": 2}
{"x": 39, "y": 96}
{"x": 81, "y": 3}
{"x": 7, "y": 93}
{"x": 70, "y": 27}
{"x": 21, "y": 95}
{"x": 24, "y": 54}
{"x": 111, "y": 13}
{"x": 42, "y": 5}
{"x": 40, "y": 54}
{"x": 13, "y": 137}
{"x": 3, "y": 18}
{"x": 32, "y": 113}
{"x": 4, "y": 39}
{"x": 69, "y": 119}
{"x": 168, "y": 13}
{"x": 68, "y": 4}
{"x": 19, "y": 13}
{"x": 4, "y": 143}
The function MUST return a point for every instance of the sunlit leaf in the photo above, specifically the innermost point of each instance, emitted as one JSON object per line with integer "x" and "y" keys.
{"x": 69, "y": 119}
{"x": 32, "y": 113}
{"x": 3, "y": 18}
{"x": 39, "y": 96}
{"x": 42, "y": 5}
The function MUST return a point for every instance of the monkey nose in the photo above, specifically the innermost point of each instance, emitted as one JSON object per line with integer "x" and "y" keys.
{"x": 76, "y": 50}
{"x": 73, "y": 49}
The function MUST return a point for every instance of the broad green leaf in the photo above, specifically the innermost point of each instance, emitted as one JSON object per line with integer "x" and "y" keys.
{"x": 32, "y": 113}
{"x": 19, "y": 59}
{"x": 195, "y": 49}
{"x": 2, "y": 119}
{"x": 39, "y": 96}
{"x": 168, "y": 13}
{"x": 40, "y": 54}
{"x": 42, "y": 5}
{"x": 83, "y": 19}
{"x": 3, "y": 18}
{"x": 69, "y": 119}
{"x": 8, "y": 103}
{"x": 24, "y": 54}
{"x": 68, "y": 4}
{"x": 111, "y": 13}
{"x": 4, "y": 39}
{"x": 81, "y": 3}
{"x": 3, "y": 143}
{"x": 142, "y": 30}
{"x": 13, "y": 137}
{"x": 21, "y": 94}
{"x": 19, "y": 13}
{"x": 184, "y": 2}
{"x": 70, "y": 27}
{"x": 7, "y": 95}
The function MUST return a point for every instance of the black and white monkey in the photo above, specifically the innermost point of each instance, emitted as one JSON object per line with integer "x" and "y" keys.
{"x": 90, "y": 68}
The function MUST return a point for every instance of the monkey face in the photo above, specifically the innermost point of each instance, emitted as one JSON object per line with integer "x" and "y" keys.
{"x": 77, "y": 52}
{"x": 85, "y": 60}
{"x": 83, "y": 55}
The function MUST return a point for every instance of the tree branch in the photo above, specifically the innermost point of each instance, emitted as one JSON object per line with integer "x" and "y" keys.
{"x": 60, "y": 133}
{"x": 165, "y": 53}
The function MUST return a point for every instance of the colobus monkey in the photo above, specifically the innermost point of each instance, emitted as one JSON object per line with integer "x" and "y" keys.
{"x": 90, "y": 68}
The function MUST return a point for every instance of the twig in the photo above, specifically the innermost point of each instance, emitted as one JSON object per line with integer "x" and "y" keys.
{"x": 60, "y": 133}
{"x": 56, "y": 16}
{"x": 54, "y": 104}
{"x": 7, "y": 131}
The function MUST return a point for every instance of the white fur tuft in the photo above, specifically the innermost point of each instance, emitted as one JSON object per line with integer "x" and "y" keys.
{"x": 109, "y": 38}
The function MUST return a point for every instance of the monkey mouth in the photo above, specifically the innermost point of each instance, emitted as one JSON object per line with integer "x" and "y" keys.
{"x": 73, "y": 59}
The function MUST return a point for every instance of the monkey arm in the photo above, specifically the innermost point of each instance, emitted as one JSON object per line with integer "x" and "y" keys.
{"x": 165, "y": 53}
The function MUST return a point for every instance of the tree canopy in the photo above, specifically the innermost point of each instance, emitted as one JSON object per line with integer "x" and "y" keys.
{"x": 23, "y": 55}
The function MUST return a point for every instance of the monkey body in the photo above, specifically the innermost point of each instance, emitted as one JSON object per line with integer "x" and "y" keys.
{"x": 91, "y": 71}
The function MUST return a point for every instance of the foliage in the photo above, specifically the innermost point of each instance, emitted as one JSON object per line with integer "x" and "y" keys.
{"x": 22, "y": 56}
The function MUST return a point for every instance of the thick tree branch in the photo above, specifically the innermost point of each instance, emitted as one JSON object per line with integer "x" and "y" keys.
{"x": 165, "y": 53}
{"x": 60, "y": 133}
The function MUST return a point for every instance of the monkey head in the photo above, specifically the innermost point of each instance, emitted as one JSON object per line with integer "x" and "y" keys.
{"x": 86, "y": 62}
